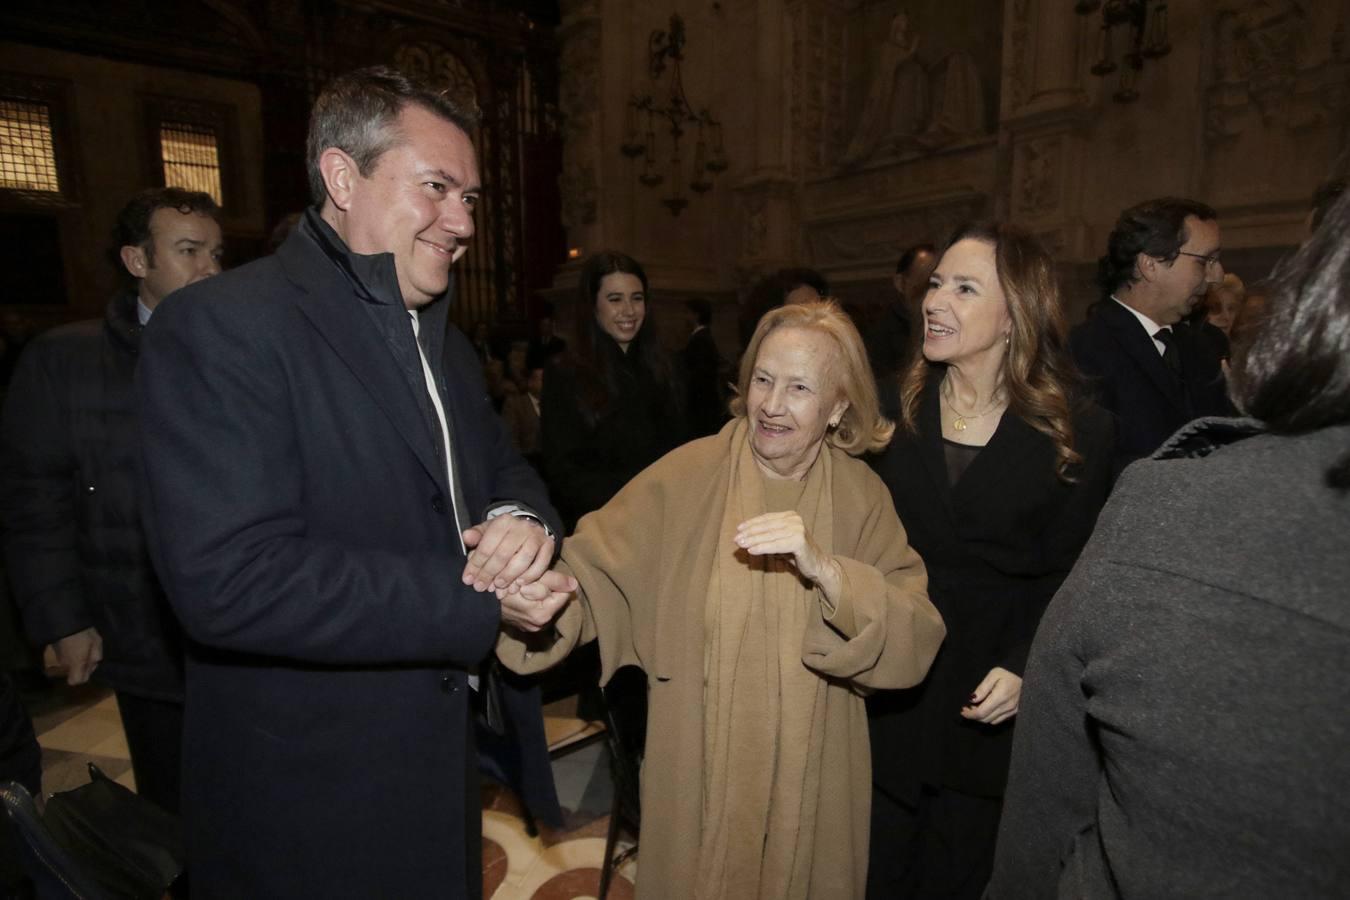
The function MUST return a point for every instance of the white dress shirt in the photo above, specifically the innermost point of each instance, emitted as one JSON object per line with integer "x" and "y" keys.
{"x": 1150, "y": 326}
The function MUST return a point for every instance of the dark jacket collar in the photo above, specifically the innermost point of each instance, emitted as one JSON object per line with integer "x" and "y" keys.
{"x": 122, "y": 323}
{"x": 1203, "y": 436}
{"x": 374, "y": 277}
{"x": 1138, "y": 345}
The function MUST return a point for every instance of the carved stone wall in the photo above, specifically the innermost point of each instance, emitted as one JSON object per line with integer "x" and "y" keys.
{"x": 1247, "y": 112}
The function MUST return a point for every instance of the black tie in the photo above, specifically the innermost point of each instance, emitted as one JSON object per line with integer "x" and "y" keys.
{"x": 1171, "y": 358}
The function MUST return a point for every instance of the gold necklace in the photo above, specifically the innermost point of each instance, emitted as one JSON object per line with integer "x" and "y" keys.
{"x": 960, "y": 422}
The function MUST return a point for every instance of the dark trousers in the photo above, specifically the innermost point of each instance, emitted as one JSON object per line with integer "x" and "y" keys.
{"x": 941, "y": 847}
{"x": 154, "y": 730}
{"x": 473, "y": 812}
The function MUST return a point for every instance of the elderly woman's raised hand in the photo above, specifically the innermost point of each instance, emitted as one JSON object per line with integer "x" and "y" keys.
{"x": 531, "y": 607}
{"x": 785, "y": 533}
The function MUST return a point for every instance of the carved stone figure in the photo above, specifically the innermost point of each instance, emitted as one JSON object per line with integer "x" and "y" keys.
{"x": 958, "y": 102}
{"x": 896, "y": 110}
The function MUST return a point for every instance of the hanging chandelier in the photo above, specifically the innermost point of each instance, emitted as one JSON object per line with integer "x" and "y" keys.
{"x": 667, "y": 106}
{"x": 1144, "y": 26}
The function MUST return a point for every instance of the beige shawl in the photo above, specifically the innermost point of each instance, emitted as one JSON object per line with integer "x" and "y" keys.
{"x": 761, "y": 700}
{"x": 797, "y": 778}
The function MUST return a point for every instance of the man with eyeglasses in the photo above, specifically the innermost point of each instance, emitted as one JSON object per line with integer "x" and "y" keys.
{"x": 1154, "y": 373}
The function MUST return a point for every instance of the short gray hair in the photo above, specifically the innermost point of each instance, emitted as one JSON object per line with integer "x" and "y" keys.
{"x": 357, "y": 113}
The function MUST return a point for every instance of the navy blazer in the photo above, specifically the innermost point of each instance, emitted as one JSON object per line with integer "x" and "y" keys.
{"x": 1131, "y": 381}
{"x": 301, "y": 522}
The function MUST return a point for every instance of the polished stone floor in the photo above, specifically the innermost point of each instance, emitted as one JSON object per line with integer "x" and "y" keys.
{"x": 79, "y": 725}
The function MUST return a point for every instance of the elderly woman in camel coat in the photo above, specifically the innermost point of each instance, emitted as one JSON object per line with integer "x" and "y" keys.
{"x": 761, "y": 579}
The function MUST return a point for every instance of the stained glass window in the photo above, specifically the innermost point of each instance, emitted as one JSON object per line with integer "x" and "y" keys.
{"x": 27, "y": 159}
{"x": 191, "y": 156}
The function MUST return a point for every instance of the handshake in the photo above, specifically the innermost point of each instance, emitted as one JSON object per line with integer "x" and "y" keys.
{"x": 510, "y": 556}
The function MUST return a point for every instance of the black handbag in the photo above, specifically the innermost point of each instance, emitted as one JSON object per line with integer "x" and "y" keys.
{"x": 132, "y": 847}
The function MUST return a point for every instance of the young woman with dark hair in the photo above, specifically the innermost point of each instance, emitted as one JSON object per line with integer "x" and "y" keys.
{"x": 615, "y": 407}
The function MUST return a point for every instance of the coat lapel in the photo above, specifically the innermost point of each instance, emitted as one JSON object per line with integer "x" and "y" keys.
{"x": 930, "y": 442}
{"x": 328, "y": 302}
{"x": 1139, "y": 346}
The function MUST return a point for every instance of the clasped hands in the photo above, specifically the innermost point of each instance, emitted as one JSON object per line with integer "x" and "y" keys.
{"x": 510, "y": 555}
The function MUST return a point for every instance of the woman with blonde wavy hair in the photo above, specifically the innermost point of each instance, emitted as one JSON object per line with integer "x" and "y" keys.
{"x": 998, "y": 472}
{"x": 762, "y": 582}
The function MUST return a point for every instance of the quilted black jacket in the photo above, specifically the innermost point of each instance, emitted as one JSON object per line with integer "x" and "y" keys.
{"x": 69, "y": 465}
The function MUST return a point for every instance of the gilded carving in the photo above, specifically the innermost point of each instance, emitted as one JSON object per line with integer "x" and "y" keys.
{"x": 434, "y": 63}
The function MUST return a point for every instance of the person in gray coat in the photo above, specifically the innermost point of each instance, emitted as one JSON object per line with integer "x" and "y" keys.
{"x": 1183, "y": 729}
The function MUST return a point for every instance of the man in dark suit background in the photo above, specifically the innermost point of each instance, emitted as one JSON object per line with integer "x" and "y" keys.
{"x": 704, "y": 372}
{"x": 69, "y": 462}
{"x": 331, "y": 502}
{"x": 890, "y": 343}
{"x": 1152, "y": 373}
{"x": 890, "y": 340}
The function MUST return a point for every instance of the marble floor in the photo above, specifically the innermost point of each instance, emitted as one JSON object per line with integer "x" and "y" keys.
{"x": 80, "y": 725}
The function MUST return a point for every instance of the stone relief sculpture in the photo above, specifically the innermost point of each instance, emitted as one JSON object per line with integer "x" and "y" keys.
{"x": 896, "y": 109}
{"x": 910, "y": 108}
{"x": 958, "y": 107}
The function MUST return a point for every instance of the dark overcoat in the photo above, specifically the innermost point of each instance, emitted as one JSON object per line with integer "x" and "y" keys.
{"x": 1130, "y": 380}
{"x": 996, "y": 545}
{"x": 302, "y": 524}
{"x": 74, "y": 550}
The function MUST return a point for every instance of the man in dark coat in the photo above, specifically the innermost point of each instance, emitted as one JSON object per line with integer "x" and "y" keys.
{"x": 890, "y": 341}
{"x": 331, "y": 502}
{"x": 703, "y": 372}
{"x": 1154, "y": 374}
{"x": 74, "y": 548}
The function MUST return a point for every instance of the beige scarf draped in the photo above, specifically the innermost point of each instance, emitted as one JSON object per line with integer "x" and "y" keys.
{"x": 763, "y": 731}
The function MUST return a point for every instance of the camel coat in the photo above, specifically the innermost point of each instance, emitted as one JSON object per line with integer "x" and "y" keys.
{"x": 643, "y": 563}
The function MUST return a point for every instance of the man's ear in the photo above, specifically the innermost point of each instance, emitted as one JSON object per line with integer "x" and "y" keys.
{"x": 339, "y": 173}
{"x": 133, "y": 258}
{"x": 1146, "y": 266}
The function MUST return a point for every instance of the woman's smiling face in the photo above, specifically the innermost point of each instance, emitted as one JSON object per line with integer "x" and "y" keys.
{"x": 965, "y": 312}
{"x": 792, "y": 400}
{"x": 621, "y": 307}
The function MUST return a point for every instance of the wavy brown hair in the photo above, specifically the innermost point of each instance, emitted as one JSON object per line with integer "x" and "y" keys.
{"x": 862, "y": 429}
{"x": 1038, "y": 373}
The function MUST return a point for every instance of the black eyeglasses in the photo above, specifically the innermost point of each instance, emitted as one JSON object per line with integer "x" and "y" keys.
{"x": 1211, "y": 260}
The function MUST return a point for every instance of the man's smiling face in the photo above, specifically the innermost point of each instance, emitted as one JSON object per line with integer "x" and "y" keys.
{"x": 417, "y": 203}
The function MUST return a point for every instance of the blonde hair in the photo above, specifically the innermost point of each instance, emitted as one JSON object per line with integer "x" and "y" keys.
{"x": 1231, "y": 284}
{"x": 862, "y": 428}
